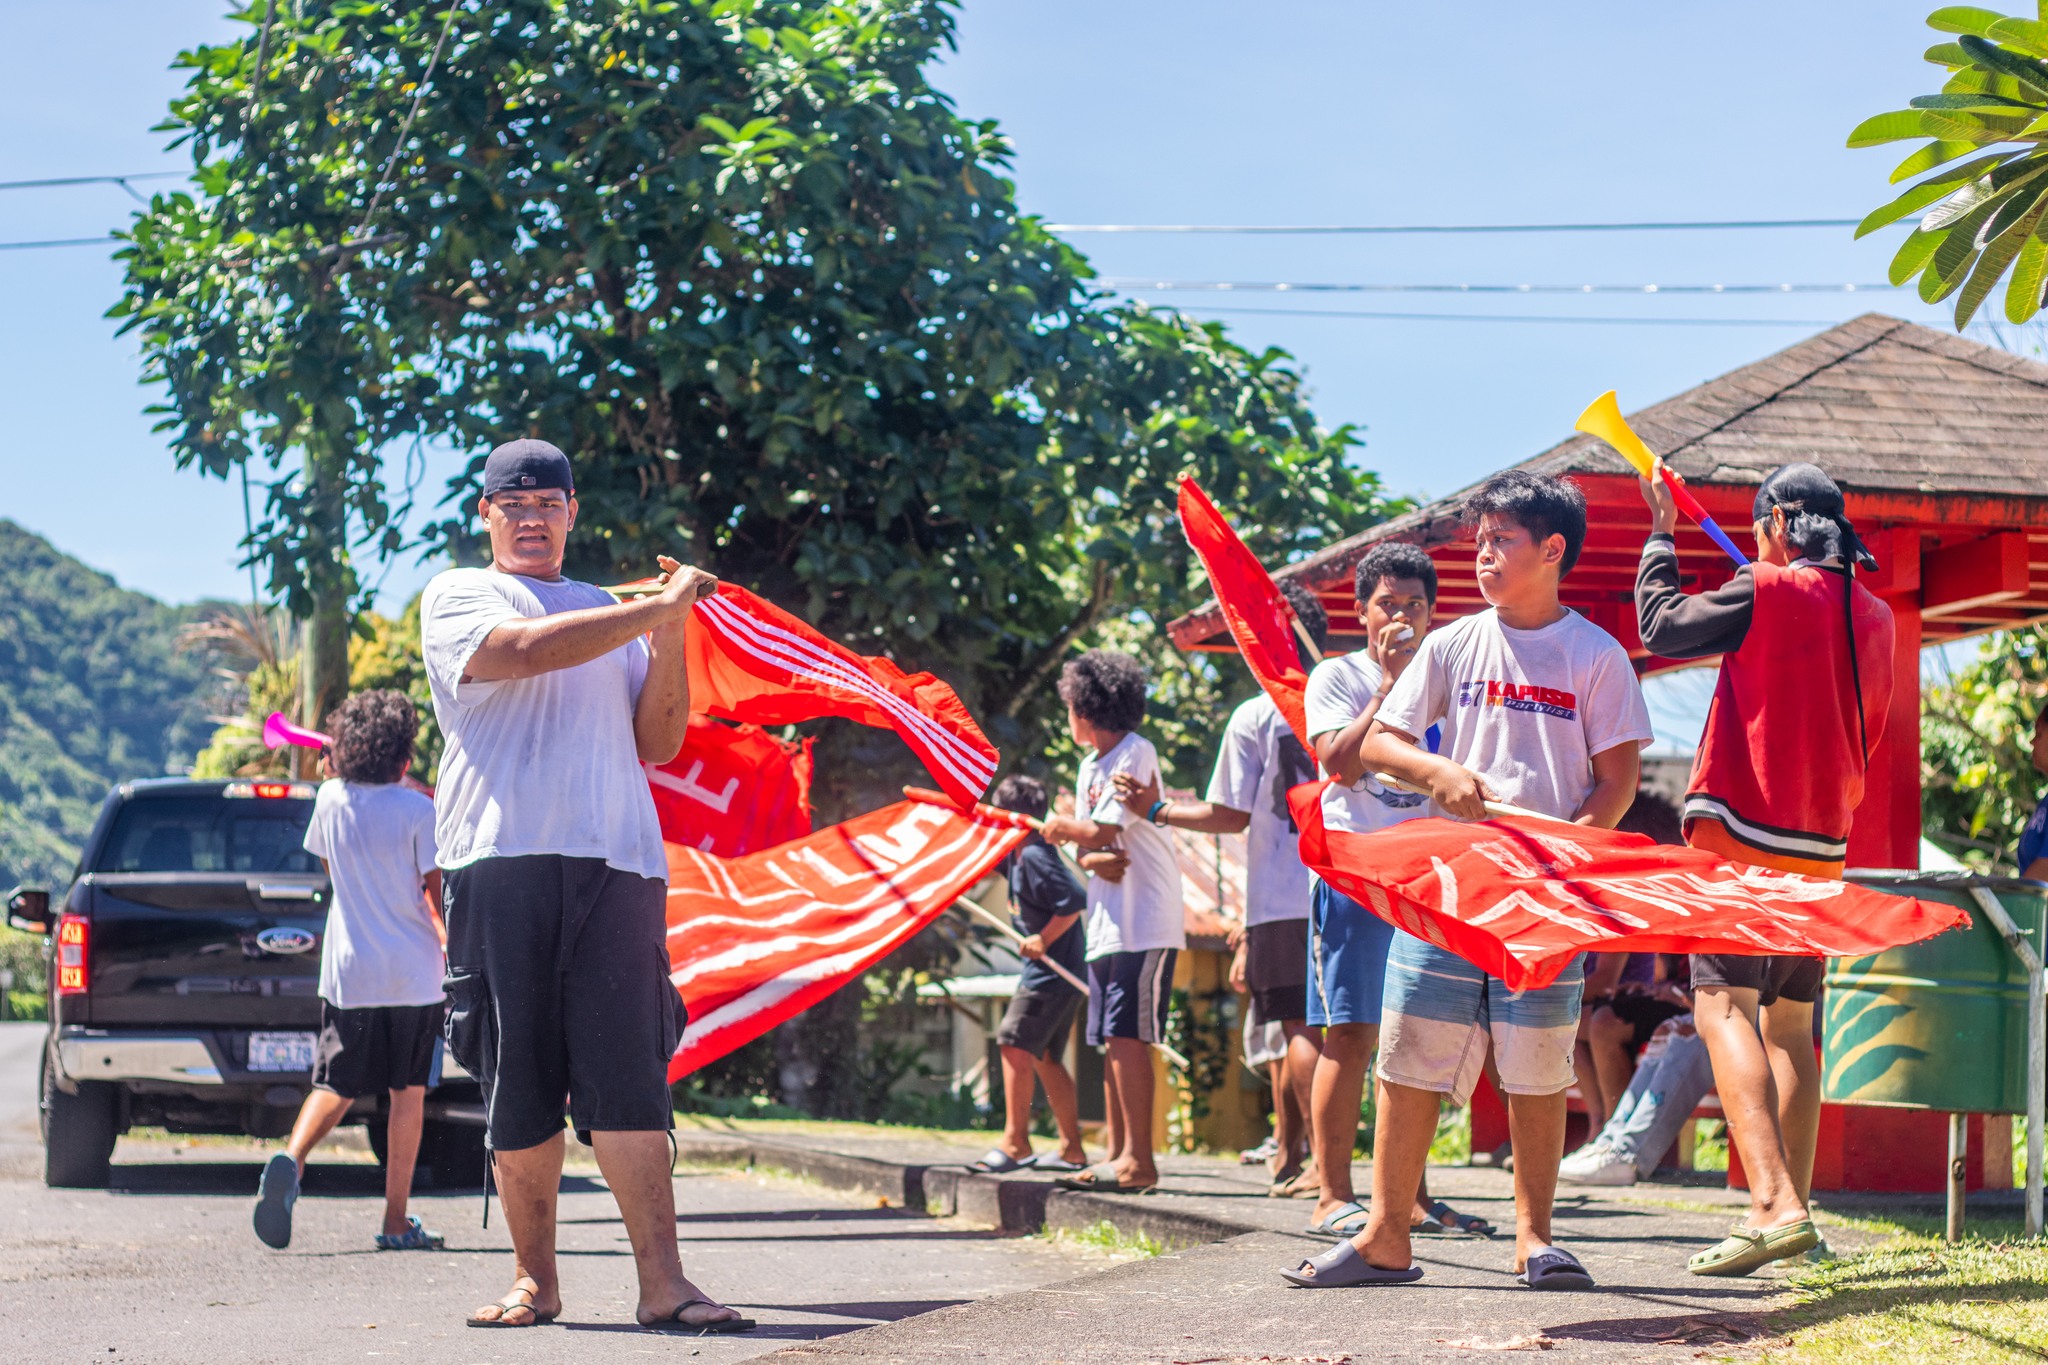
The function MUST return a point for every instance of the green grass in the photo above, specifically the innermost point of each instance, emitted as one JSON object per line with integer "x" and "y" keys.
{"x": 1915, "y": 1297}
{"x": 1453, "y": 1144}
{"x": 1105, "y": 1238}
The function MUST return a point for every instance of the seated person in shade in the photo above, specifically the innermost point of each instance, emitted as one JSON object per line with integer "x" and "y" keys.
{"x": 1628, "y": 994}
{"x": 1046, "y": 904}
{"x": 1674, "y": 1074}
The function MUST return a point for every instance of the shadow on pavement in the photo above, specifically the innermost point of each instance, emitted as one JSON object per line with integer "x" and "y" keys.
{"x": 1696, "y": 1330}
{"x": 322, "y": 1181}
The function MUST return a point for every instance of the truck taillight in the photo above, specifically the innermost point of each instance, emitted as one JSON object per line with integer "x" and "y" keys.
{"x": 74, "y": 938}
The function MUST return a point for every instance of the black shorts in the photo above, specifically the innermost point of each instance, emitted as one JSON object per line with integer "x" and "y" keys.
{"x": 1643, "y": 1013}
{"x": 1038, "y": 1019}
{"x": 559, "y": 994}
{"x": 1129, "y": 995}
{"x": 369, "y": 1051}
{"x": 1276, "y": 969}
{"x": 1772, "y": 978}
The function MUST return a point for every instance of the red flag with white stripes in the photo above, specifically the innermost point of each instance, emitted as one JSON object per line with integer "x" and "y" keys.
{"x": 750, "y": 660}
{"x": 1258, "y": 616}
{"x": 756, "y": 940}
{"x": 1519, "y": 898}
{"x": 733, "y": 789}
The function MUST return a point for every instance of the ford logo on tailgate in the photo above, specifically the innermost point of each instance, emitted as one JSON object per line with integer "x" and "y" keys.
{"x": 286, "y": 939}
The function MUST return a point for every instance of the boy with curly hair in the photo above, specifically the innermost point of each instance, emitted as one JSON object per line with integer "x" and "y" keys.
{"x": 380, "y": 961}
{"x": 1135, "y": 926}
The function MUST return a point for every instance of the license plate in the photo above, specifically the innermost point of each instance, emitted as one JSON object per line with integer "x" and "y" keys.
{"x": 280, "y": 1052}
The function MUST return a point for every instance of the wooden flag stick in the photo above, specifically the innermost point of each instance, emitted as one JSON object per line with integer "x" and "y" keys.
{"x": 1315, "y": 656}
{"x": 1492, "y": 807}
{"x": 1010, "y": 931}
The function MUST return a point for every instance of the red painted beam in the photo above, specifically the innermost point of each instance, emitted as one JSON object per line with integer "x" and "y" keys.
{"x": 1979, "y": 573}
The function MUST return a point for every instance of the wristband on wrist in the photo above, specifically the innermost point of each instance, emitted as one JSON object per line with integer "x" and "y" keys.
{"x": 1158, "y": 810}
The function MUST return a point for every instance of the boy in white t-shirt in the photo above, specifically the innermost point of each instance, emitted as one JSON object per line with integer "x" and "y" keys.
{"x": 1539, "y": 708}
{"x": 380, "y": 961}
{"x": 1135, "y": 924}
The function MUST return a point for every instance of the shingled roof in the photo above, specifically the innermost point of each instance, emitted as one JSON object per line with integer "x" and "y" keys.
{"x": 1931, "y": 436}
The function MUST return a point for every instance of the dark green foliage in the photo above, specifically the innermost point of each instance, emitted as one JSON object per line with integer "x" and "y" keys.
{"x": 93, "y": 690}
{"x": 1986, "y": 216}
{"x": 757, "y": 276}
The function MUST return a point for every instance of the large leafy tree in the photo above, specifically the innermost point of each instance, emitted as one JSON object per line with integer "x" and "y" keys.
{"x": 1983, "y": 192}
{"x": 760, "y": 279}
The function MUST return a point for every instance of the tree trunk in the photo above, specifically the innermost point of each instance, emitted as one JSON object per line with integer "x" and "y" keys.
{"x": 323, "y": 664}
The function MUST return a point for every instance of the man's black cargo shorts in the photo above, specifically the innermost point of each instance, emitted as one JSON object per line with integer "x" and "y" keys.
{"x": 559, "y": 994}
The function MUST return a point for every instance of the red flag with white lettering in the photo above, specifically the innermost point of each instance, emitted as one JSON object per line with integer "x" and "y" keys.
{"x": 733, "y": 789}
{"x": 756, "y": 940}
{"x": 1520, "y": 898}
{"x": 1258, "y": 616}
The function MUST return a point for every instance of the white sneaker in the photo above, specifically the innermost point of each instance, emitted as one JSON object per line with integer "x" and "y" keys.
{"x": 1597, "y": 1166}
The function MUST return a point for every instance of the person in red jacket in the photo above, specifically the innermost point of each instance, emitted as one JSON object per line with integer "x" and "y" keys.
{"x": 1805, "y": 685}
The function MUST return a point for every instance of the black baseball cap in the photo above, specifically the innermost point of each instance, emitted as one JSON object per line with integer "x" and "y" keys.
{"x": 526, "y": 463}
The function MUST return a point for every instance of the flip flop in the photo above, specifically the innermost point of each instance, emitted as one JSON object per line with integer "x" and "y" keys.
{"x": 1554, "y": 1268}
{"x": 1443, "y": 1219}
{"x": 998, "y": 1162}
{"x": 1747, "y": 1249}
{"x": 1053, "y": 1165}
{"x": 1100, "y": 1179}
{"x": 1306, "y": 1183}
{"x": 539, "y": 1319}
{"x": 1341, "y": 1267}
{"x": 673, "y": 1324}
{"x": 1347, "y": 1221}
{"x": 276, "y": 1192}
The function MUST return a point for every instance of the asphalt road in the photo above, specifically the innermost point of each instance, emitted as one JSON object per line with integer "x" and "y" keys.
{"x": 163, "y": 1267}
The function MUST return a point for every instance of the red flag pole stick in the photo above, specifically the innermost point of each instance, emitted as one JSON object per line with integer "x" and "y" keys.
{"x": 1315, "y": 656}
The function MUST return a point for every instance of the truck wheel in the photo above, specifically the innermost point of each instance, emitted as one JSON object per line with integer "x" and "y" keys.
{"x": 78, "y": 1132}
{"x": 454, "y": 1153}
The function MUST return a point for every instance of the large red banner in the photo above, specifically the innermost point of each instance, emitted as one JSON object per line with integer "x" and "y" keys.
{"x": 1258, "y": 616}
{"x": 752, "y": 661}
{"x": 733, "y": 789}
{"x": 756, "y": 940}
{"x": 1520, "y": 898}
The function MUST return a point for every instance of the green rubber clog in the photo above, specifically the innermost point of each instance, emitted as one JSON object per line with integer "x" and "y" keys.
{"x": 1747, "y": 1249}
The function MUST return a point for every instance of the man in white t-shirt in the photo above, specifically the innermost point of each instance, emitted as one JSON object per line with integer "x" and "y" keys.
{"x": 380, "y": 962}
{"x": 1258, "y": 762}
{"x": 1136, "y": 925}
{"x": 550, "y": 695}
{"x": 1539, "y": 708}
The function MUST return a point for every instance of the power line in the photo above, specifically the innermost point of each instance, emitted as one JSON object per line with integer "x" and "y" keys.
{"x": 1323, "y": 287}
{"x": 1379, "y": 229}
{"x": 89, "y": 180}
{"x": 57, "y": 241}
{"x": 1523, "y": 317}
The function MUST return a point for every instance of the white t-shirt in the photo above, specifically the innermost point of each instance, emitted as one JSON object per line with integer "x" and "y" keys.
{"x": 1339, "y": 689}
{"x": 380, "y": 948}
{"x": 1259, "y": 761}
{"x": 1525, "y": 709}
{"x": 545, "y": 764}
{"x": 1143, "y": 911}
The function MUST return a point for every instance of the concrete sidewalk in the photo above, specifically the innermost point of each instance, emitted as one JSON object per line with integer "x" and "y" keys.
{"x": 1217, "y": 1297}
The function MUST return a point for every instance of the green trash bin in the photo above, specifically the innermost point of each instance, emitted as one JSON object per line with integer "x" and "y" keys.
{"x": 1940, "y": 1024}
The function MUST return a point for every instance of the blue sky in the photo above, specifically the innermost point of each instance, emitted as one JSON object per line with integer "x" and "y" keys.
{"x": 1147, "y": 112}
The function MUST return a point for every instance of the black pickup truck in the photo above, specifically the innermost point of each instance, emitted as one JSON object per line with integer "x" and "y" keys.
{"x": 184, "y": 980}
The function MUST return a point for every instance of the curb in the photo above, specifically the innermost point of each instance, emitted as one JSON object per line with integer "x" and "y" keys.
{"x": 1006, "y": 1204}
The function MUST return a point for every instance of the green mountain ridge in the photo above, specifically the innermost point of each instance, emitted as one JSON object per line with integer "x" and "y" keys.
{"x": 93, "y": 690}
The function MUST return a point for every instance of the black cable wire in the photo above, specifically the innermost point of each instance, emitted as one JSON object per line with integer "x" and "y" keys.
{"x": 63, "y": 180}
{"x": 1377, "y": 229}
{"x": 1339, "y": 287}
{"x": 1502, "y": 317}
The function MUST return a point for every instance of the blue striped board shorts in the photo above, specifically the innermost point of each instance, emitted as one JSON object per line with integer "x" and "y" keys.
{"x": 1441, "y": 1013}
